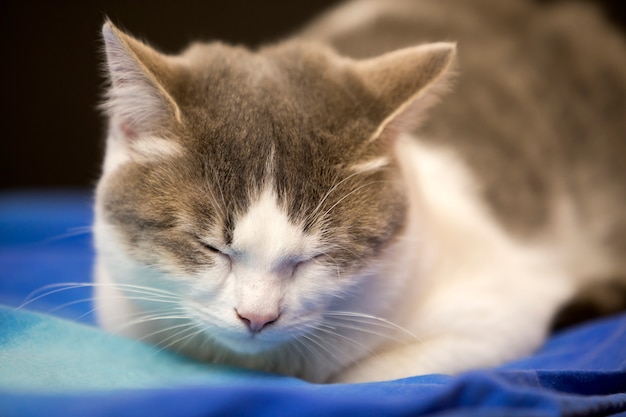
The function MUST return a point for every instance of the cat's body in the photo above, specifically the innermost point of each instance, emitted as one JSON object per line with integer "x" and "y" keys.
{"x": 281, "y": 209}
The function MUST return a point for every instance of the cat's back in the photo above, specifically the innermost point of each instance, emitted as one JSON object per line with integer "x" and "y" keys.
{"x": 538, "y": 111}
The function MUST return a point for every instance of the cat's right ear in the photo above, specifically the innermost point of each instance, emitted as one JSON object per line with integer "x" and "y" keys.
{"x": 405, "y": 83}
{"x": 137, "y": 102}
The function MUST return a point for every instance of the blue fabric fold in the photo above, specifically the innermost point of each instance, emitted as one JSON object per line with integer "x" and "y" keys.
{"x": 55, "y": 362}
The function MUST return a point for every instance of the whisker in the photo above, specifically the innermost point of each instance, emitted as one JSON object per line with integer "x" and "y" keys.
{"x": 51, "y": 289}
{"x": 91, "y": 299}
{"x": 131, "y": 315}
{"x": 328, "y": 193}
{"x": 30, "y": 298}
{"x": 364, "y": 329}
{"x": 166, "y": 329}
{"x": 71, "y": 303}
{"x": 71, "y": 232}
{"x": 193, "y": 334}
{"x": 220, "y": 207}
{"x": 315, "y": 341}
{"x": 146, "y": 318}
{"x": 338, "y": 335}
{"x": 368, "y": 319}
{"x": 349, "y": 194}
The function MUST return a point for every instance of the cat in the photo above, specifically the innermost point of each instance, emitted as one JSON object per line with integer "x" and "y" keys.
{"x": 366, "y": 200}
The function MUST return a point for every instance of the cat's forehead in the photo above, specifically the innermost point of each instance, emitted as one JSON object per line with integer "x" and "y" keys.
{"x": 274, "y": 64}
{"x": 294, "y": 83}
{"x": 284, "y": 109}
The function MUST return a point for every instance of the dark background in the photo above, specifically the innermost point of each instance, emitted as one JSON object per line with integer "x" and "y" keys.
{"x": 52, "y": 134}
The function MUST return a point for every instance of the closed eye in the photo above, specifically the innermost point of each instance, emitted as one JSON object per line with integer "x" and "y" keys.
{"x": 310, "y": 260}
{"x": 318, "y": 257}
{"x": 209, "y": 247}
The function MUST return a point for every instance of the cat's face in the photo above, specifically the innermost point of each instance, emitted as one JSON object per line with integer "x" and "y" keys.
{"x": 259, "y": 190}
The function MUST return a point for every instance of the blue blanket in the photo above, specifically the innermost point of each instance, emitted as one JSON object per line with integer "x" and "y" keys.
{"x": 55, "y": 362}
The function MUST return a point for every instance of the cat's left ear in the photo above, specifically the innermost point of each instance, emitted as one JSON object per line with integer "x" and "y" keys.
{"x": 406, "y": 83}
{"x": 138, "y": 101}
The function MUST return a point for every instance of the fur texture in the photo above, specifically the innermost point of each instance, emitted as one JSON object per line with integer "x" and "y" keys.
{"x": 299, "y": 211}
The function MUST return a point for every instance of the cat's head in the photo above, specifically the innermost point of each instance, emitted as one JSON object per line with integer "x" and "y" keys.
{"x": 260, "y": 189}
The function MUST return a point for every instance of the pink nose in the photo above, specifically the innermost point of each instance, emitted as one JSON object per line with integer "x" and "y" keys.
{"x": 256, "y": 321}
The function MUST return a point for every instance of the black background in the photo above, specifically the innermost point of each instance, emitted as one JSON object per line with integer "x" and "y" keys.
{"x": 52, "y": 133}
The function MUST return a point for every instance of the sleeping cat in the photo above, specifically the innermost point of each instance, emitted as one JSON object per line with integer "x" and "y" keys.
{"x": 365, "y": 201}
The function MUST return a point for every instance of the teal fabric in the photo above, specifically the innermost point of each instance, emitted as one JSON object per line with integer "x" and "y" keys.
{"x": 43, "y": 353}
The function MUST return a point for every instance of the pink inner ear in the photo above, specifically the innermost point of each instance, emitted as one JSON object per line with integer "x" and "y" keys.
{"x": 128, "y": 132}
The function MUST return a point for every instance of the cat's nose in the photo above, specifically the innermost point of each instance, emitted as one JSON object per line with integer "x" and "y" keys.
{"x": 257, "y": 321}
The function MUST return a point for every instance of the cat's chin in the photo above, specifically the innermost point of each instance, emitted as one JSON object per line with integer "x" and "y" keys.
{"x": 247, "y": 344}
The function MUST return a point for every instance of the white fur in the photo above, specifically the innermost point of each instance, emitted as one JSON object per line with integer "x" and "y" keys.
{"x": 265, "y": 238}
{"x": 153, "y": 148}
{"x": 371, "y": 165}
{"x": 117, "y": 153}
{"x": 485, "y": 298}
{"x": 266, "y": 249}
{"x": 146, "y": 148}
